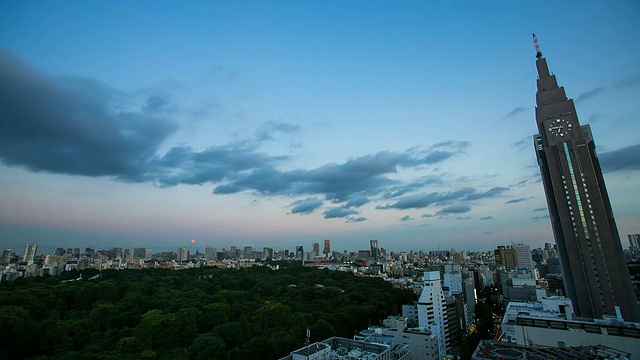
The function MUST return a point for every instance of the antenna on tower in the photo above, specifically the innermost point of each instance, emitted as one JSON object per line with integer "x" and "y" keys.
{"x": 535, "y": 43}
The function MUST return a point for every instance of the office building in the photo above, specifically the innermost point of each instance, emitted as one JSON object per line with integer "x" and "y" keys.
{"x": 327, "y": 248}
{"x": 595, "y": 272}
{"x": 30, "y": 253}
{"x": 523, "y": 256}
{"x": 505, "y": 257}
{"x": 375, "y": 251}
{"x": 183, "y": 254}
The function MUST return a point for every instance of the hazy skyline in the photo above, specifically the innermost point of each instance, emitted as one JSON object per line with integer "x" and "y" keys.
{"x": 278, "y": 123}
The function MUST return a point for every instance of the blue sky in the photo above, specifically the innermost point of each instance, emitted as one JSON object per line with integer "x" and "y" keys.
{"x": 278, "y": 123}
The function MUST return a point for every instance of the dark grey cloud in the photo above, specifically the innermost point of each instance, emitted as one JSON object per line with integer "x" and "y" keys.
{"x": 338, "y": 182}
{"x": 518, "y": 200}
{"x": 357, "y": 201}
{"x": 538, "y": 218}
{"x": 73, "y": 126}
{"x": 591, "y": 93}
{"x": 406, "y": 218}
{"x": 627, "y": 158}
{"x": 515, "y": 112}
{"x": 339, "y": 213}
{"x": 156, "y": 103}
{"x": 306, "y": 206}
{"x": 454, "y": 209}
{"x": 403, "y": 189}
{"x": 486, "y": 217}
{"x": 540, "y": 209}
{"x": 440, "y": 198}
{"x": 79, "y": 126}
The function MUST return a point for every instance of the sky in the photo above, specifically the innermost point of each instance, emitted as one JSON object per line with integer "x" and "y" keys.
{"x": 284, "y": 123}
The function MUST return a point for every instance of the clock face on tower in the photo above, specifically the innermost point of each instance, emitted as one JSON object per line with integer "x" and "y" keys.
{"x": 559, "y": 127}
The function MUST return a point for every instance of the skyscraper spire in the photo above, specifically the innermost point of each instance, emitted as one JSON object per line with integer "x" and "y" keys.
{"x": 535, "y": 43}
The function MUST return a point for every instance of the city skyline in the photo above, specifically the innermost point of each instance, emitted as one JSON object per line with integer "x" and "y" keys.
{"x": 281, "y": 124}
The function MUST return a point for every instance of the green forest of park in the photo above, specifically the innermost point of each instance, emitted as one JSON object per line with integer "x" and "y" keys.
{"x": 203, "y": 313}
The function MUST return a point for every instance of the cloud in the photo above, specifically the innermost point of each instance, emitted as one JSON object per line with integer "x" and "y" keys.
{"x": 79, "y": 126}
{"x": 306, "y": 206}
{"x": 540, "y": 209}
{"x": 338, "y": 213}
{"x": 74, "y": 126}
{"x": 486, "y": 217}
{"x": 537, "y": 218}
{"x": 628, "y": 82}
{"x": 269, "y": 130}
{"x": 515, "y": 112}
{"x": 439, "y": 198}
{"x": 590, "y": 94}
{"x": 356, "y": 201}
{"x": 514, "y": 201}
{"x": 406, "y": 218}
{"x": 463, "y": 217}
{"x": 454, "y": 209}
{"x": 355, "y": 219}
{"x": 337, "y": 182}
{"x": 627, "y": 158}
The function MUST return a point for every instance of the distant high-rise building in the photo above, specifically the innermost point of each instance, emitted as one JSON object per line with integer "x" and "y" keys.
{"x": 634, "y": 241}
{"x": 209, "y": 253}
{"x": 375, "y": 251}
{"x": 7, "y": 254}
{"x": 247, "y": 253}
{"x": 327, "y": 248}
{"x": 30, "y": 253}
{"x": 299, "y": 252}
{"x": 595, "y": 271}
{"x": 523, "y": 256}
{"x": 183, "y": 254}
{"x": 505, "y": 257}
{"x": 316, "y": 249}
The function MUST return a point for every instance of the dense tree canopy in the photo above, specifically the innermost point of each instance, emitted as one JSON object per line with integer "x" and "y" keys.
{"x": 205, "y": 313}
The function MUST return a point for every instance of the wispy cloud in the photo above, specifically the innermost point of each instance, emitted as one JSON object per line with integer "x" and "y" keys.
{"x": 514, "y": 112}
{"x": 486, "y": 217}
{"x": 628, "y": 82}
{"x": 406, "y": 218}
{"x": 442, "y": 198}
{"x": 591, "y": 93}
{"x": 518, "y": 200}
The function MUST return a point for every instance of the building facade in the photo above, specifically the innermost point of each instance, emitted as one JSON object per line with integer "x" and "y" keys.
{"x": 595, "y": 272}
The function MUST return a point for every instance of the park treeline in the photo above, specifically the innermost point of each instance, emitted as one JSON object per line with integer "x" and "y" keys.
{"x": 204, "y": 313}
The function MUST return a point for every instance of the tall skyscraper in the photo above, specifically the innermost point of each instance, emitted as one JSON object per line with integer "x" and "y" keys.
{"x": 327, "y": 248}
{"x": 595, "y": 272}
{"x": 375, "y": 251}
{"x": 30, "y": 253}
